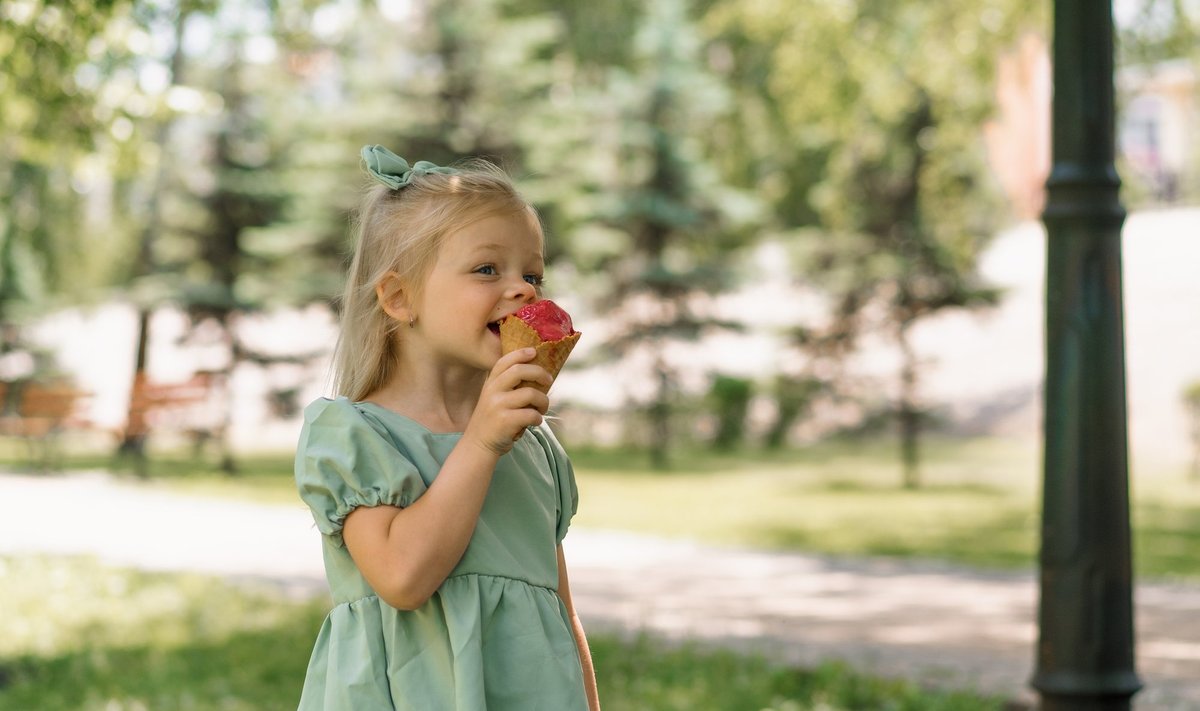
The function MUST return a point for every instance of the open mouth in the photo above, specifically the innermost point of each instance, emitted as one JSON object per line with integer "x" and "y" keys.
{"x": 494, "y": 327}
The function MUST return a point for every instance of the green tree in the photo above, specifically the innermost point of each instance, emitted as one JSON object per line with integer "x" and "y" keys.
{"x": 462, "y": 79}
{"x": 439, "y": 80}
{"x": 598, "y": 35}
{"x": 243, "y": 196}
{"x": 873, "y": 142}
{"x": 215, "y": 183}
{"x": 254, "y": 198}
{"x": 142, "y": 268}
{"x": 652, "y": 213}
{"x": 52, "y": 118}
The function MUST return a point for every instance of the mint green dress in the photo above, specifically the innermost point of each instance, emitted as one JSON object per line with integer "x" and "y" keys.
{"x": 495, "y": 635}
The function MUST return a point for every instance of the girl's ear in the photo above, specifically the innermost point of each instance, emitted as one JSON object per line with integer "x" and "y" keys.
{"x": 393, "y": 297}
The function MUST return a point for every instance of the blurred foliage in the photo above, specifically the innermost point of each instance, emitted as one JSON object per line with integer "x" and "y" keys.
{"x": 729, "y": 398}
{"x": 658, "y": 222}
{"x": 1162, "y": 30}
{"x": 203, "y": 153}
{"x": 882, "y": 146}
{"x": 1191, "y": 397}
{"x": 52, "y": 119}
{"x": 793, "y": 397}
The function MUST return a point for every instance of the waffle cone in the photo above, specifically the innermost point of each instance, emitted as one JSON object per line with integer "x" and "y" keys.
{"x": 515, "y": 333}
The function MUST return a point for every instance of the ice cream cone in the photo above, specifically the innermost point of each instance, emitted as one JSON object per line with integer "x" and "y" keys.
{"x": 551, "y": 355}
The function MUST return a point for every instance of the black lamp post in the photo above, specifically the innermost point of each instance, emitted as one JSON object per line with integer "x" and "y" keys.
{"x": 1085, "y": 658}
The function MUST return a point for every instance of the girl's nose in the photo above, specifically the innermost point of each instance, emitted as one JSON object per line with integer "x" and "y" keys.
{"x": 522, "y": 290}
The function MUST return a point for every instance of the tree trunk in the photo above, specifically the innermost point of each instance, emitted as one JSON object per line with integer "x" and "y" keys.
{"x": 222, "y": 250}
{"x": 907, "y": 411}
{"x": 660, "y": 418}
{"x": 133, "y": 439}
{"x": 225, "y": 384}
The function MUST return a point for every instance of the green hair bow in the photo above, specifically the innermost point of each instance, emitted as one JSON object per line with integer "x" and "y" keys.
{"x": 395, "y": 172}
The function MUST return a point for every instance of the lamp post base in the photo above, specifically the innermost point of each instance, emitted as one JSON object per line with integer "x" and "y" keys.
{"x": 1064, "y": 691}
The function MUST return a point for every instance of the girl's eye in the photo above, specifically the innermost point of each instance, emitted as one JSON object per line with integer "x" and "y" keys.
{"x": 486, "y": 269}
{"x": 535, "y": 279}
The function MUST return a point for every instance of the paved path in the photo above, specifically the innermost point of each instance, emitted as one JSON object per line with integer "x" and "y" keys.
{"x": 925, "y": 621}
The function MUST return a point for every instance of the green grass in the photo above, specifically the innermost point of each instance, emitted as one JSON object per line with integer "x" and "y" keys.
{"x": 979, "y": 504}
{"x": 79, "y": 636}
{"x": 648, "y": 675}
{"x": 76, "y": 635}
{"x": 838, "y": 498}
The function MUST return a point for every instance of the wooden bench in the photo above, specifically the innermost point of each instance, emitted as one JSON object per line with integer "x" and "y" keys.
{"x": 38, "y": 412}
{"x": 186, "y": 407}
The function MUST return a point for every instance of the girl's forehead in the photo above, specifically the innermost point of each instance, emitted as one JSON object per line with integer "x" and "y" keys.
{"x": 519, "y": 229}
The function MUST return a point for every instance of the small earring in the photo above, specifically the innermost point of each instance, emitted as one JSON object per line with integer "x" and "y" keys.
{"x": 412, "y": 321}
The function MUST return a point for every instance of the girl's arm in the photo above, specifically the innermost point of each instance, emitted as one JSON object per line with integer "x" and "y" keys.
{"x": 406, "y": 554}
{"x": 585, "y": 653}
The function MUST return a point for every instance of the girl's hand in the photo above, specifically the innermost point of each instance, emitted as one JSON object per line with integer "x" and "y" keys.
{"x": 504, "y": 409}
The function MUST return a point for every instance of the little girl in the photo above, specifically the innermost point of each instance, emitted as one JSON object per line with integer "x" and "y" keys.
{"x": 441, "y": 495}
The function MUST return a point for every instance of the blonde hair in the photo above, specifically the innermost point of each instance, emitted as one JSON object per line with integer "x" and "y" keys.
{"x": 401, "y": 231}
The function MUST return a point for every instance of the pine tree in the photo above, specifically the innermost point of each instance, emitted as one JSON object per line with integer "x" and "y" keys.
{"x": 214, "y": 186}
{"x": 660, "y": 223}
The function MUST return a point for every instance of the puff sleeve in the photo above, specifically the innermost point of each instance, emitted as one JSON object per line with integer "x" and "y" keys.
{"x": 564, "y": 478}
{"x": 343, "y": 462}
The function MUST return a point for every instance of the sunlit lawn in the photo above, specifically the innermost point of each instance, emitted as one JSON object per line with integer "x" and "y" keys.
{"x": 978, "y": 505}
{"x": 81, "y": 637}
